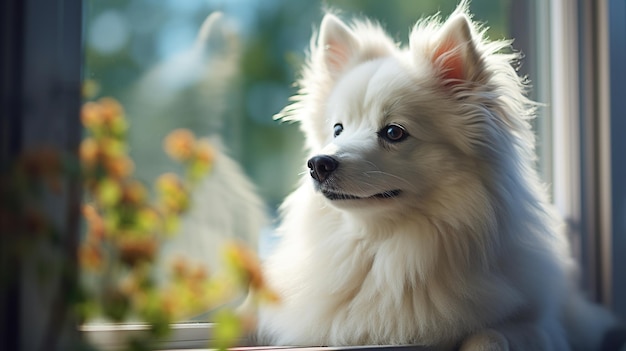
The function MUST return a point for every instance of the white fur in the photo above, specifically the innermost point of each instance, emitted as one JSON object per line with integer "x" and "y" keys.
{"x": 469, "y": 254}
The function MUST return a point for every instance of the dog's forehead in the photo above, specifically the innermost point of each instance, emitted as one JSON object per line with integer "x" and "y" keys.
{"x": 375, "y": 87}
{"x": 355, "y": 83}
{"x": 380, "y": 76}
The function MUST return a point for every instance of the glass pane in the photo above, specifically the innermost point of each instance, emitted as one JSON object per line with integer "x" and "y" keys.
{"x": 227, "y": 85}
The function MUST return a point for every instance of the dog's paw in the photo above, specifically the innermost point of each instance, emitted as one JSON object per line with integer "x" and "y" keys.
{"x": 486, "y": 340}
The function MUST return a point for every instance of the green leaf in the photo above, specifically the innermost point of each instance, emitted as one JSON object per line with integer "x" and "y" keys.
{"x": 109, "y": 192}
{"x": 228, "y": 329}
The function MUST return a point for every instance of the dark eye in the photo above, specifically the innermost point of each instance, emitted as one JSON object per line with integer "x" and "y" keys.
{"x": 338, "y": 128}
{"x": 393, "y": 133}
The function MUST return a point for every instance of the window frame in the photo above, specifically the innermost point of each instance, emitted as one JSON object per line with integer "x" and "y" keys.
{"x": 612, "y": 20}
{"x": 580, "y": 114}
{"x": 588, "y": 41}
{"x": 41, "y": 47}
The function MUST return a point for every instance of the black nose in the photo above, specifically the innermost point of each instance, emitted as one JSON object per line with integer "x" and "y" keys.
{"x": 322, "y": 166}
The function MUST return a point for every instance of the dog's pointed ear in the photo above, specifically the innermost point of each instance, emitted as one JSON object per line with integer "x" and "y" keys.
{"x": 211, "y": 33}
{"x": 337, "y": 43}
{"x": 453, "y": 52}
{"x": 218, "y": 34}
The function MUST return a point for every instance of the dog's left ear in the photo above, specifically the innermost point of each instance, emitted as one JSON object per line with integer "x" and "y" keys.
{"x": 453, "y": 52}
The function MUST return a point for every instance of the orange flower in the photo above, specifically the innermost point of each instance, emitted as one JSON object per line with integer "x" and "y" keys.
{"x": 246, "y": 263}
{"x": 180, "y": 268}
{"x": 91, "y": 115}
{"x": 247, "y": 266}
{"x": 201, "y": 161}
{"x": 89, "y": 152}
{"x": 134, "y": 250}
{"x": 204, "y": 152}
{"x": 110, "y": 110}
{"x": 170, "y": 303}
{"x": 90, "y": 257}
{"x": 113, "y": 117}
{"x": 120, "y": 167}
{"x": 173, "y": 195}
{"x": 112, "y": 148}
{"x": 169, "y": 182}
{"x": 134, "y": 192}
{"x": 269, "y": 296}
{"x": 179, "y": 144}
{"x": 185, "y": 270}
{"x": 90, "y": 213}
{"x": 95, "y": 222}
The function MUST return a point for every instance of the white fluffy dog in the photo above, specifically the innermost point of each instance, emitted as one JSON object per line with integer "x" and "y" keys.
{"x": 423, "y": 220}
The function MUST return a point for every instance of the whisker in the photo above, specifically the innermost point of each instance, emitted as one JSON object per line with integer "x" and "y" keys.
{"x": 403, "y": 180}
{"x": 364, "y": 186}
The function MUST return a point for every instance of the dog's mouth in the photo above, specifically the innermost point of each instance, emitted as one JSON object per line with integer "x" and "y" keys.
{"x": 331, "y": 195}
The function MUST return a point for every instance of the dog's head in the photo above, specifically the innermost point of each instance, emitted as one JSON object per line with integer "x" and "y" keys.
{"x": 389, "y": 125}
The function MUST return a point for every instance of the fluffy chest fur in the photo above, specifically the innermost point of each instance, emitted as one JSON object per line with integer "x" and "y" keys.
{"x": 377, "y": 283}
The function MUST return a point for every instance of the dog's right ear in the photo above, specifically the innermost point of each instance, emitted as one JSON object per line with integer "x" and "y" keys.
{"x": 454, "y": 51}
{"x": 337, "y": 43}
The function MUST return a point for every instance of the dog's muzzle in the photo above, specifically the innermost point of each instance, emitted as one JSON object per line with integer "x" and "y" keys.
{"x": 322, "y": 166}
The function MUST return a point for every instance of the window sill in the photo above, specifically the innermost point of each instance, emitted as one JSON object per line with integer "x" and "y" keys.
{"x": 195, "y": 337}
{"x": 112, "y": 337}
